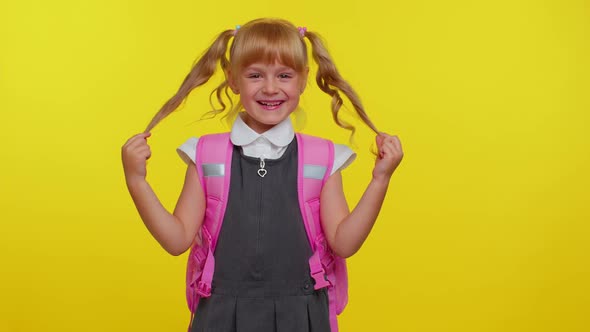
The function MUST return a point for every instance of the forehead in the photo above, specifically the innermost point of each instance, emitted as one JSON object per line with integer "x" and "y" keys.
{"x": 268, "y": 45}
{"x": 266, "y": 66}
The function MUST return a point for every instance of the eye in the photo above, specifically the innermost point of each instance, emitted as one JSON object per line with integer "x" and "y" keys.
{"x": 254, "y": 75}
{"x": 285, "y": 75}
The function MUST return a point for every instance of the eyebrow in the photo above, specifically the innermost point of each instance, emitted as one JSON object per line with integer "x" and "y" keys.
{"x": 282, "y": 68}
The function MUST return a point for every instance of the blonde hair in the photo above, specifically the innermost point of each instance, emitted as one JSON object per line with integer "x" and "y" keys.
{"x": 265, "y": 40}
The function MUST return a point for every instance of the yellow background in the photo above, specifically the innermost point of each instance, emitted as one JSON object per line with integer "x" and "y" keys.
{"x": 485, "y": 227}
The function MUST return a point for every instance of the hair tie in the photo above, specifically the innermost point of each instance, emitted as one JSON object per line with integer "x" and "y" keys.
{"x": 302, "y": 31}
{"x": 236, "y": 29}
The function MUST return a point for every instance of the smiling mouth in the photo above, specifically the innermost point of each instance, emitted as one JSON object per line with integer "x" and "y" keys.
{"x": 270, "y": 104}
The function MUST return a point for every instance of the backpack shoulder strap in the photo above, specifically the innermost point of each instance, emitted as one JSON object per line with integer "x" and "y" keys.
{"x": 315, "y": 159}
{"x": 213, "y": 162}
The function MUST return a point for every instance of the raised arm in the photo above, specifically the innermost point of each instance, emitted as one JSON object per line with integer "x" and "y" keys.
{"x": 175, "y": 232}
{"x": 347, "y": 231}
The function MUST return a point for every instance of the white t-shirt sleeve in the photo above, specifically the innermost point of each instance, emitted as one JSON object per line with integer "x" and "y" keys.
{"x": 188, "y": 150}
{"x": 343, "y": 156}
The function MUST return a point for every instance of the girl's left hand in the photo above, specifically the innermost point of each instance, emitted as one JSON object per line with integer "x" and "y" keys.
{"x": 389, "y": 156}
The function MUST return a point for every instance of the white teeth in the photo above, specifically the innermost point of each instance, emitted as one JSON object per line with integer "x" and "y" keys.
{"x": 270, "y": 103}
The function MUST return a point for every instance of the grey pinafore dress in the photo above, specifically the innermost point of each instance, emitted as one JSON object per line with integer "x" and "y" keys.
{"x": 261, "y": 281}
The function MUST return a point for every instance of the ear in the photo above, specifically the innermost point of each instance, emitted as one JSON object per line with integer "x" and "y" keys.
{"x": 304, "y": 79}
{"x": 231, "y": 82}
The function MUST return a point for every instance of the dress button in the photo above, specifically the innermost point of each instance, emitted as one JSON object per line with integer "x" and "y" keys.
{"x": 306, "y": 286}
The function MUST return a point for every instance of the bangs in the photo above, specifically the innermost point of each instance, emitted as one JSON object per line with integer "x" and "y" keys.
{"x": 268, "y": 41}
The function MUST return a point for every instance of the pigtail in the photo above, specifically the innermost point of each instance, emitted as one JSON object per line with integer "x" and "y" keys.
{"x": 199, "y": 75}
{"x": 329, "y": 80}
{"x": 220, "y": 91}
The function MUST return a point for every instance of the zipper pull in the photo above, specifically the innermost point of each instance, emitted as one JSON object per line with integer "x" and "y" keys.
{"x": 261, "y": 170}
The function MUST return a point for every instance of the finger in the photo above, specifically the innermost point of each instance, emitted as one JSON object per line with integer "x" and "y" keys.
{"x": 133, "y": 148}
{"x": 142, "y": 151}
{"x": 385, "y": 137}
{"x": 387, "y": 151}
{"x": 137, "y": 152}
{"x": 135, "y": 142}
{"x": 379, "y": 140}
{"x": 137, "y": 137}
{"x": 396, "y": 142}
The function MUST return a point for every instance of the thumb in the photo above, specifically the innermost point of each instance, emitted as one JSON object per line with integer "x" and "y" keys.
{"x": 379, "y": 140}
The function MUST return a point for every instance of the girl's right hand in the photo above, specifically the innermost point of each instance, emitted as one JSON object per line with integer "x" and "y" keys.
{"x": 134, "y": 154}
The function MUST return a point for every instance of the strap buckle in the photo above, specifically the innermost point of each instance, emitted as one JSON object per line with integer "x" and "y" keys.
{"x": 321, "y": 279}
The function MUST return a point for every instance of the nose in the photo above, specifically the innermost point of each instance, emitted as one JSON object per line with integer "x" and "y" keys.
{"x": 270, "y": 87}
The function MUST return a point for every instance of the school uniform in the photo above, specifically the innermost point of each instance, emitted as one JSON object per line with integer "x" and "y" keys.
{"x": 261, "y": 281}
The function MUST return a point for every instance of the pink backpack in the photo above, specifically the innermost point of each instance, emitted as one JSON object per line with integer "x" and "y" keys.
{"x": 315, "y": 161}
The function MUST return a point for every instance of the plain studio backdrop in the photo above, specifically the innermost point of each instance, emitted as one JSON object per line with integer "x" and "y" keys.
{"x": 485, "y": 227}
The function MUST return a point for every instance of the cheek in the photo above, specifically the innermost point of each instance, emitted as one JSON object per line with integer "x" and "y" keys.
{"x": 251, "y": 88}
{"x": 301, "y": 87}
{"x": 293, "y": 89}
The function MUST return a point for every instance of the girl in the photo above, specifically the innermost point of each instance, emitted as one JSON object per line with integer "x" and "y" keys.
{"x": 262, "y": 277}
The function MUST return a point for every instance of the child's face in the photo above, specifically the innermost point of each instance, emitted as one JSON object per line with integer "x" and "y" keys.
{"x": 268, "y": 92}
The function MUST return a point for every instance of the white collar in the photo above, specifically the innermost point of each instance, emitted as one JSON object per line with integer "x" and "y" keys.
{"x": 280, "y": 135}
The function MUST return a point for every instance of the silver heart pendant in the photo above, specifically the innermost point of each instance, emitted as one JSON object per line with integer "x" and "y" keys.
{"x": 261, "y": 172}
